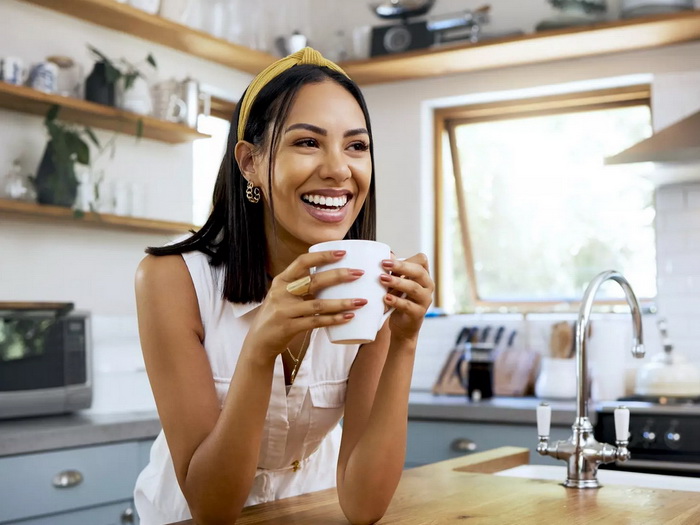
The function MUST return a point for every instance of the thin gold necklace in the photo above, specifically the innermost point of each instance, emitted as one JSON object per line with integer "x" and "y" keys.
{"x": 296, "y": 359}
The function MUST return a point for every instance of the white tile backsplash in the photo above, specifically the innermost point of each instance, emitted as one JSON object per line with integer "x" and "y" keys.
{"x": 673, "y": 199}
{"x": 609, "y": 346}
{"x": 678, "y": 263}
{"x": 120, "y": 379}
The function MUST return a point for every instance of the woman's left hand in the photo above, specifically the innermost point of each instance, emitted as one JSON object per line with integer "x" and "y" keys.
{"x": 411, "y": 277}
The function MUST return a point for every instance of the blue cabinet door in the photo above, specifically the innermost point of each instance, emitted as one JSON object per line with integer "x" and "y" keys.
{"x": 64, "y": 480}
{"x": 430, "y": 441}
{"x": 120, "y": 513}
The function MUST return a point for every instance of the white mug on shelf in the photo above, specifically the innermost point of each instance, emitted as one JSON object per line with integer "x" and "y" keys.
{"x": 167, "y": 105}
{"x": 44, "y": 77}
{"x": 361, "y": 39}
{"x": 12, "y": 70}
{"x": 368, "y": 256}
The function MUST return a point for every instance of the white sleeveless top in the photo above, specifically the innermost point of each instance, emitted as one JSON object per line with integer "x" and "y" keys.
{"x": 301, "y": 436}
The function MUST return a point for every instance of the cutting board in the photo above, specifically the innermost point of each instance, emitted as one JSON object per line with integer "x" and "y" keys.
{"x": 515, "y": 370}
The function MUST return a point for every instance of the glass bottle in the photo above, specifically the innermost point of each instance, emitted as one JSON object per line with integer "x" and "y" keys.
{"x": 17, "y": 186}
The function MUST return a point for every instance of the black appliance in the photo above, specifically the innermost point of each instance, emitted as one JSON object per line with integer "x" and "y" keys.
{"x": 45, "y": 359}
{"x": 409, "y": 35}
{"x": 663, "y": 434}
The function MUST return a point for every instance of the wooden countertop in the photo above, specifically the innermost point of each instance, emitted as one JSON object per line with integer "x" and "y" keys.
{"x": 463, "y": 490}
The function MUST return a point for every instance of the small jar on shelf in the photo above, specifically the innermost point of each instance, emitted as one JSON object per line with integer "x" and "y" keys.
{"x": 16, "y": 185}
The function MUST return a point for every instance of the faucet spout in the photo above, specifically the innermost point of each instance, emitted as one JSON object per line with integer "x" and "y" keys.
{"x": 584, "y": 317}
{"x": 581, "y": 451}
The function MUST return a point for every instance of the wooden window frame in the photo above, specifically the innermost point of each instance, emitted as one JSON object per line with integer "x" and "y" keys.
{"x": 447, "y": 119}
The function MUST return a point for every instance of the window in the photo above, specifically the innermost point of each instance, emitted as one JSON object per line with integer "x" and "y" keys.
{"x": 527, "y": 212}
{"x": 206, "y": 160}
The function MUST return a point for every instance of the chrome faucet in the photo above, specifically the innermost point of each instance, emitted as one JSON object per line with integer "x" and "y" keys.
{"x": 581, "y": 451}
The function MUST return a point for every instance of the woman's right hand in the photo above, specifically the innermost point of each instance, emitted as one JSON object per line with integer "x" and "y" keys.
{"x": 282, "y": 315}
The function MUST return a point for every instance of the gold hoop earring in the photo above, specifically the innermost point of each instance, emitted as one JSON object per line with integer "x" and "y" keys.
{"x": 252, "y": 193}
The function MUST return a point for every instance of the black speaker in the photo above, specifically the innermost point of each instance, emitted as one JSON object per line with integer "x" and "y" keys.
{"x": 398, "y": 38}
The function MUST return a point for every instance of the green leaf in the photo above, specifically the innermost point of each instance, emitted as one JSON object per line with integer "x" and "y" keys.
{"x": 129, "y": 79}
{"x": 78, "y": 147}
{"x": 78, "y": 214}
{"x": 112, "y": 73}
{"x": 91, "y": 135}
{"x": 139, "y": 128}
{"x": 151, "y": 60}
{"x": 54, "y": 129}
{"x": 52, "y": 113}
{"x": 99, "y": 54}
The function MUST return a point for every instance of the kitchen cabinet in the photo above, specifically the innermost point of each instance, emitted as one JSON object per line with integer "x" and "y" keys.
{"x": 607, "y": 37}
{"x": 80, "y": 485}
{"x": 120, "y": 513}
{"x": 433, "y": 441}
{"x": 43, "y": 212}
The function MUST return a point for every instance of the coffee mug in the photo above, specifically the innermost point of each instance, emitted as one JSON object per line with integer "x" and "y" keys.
{"x": 44, "y": 77}
{"x": 167, "y": 105}
{"x": 367, "y": 256}
{"x": 12, "y": 70}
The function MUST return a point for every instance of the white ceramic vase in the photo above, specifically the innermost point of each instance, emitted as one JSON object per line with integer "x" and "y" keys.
{"x": 557, "y": 379}
{"x": 137, "y": 98}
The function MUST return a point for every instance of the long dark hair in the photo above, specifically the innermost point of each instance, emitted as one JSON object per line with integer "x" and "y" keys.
{"x": 234, "y": 234}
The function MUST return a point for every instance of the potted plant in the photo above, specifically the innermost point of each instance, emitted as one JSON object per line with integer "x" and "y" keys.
{"x": 110, "y": 76}
{"x": 55, "y": 181}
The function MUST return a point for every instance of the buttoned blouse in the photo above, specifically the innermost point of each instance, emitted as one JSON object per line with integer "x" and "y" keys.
{"x": 301, "y": 434}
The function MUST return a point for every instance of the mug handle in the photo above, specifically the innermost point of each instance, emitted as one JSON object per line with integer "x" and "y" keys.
{"x": 388, "y": 313}
{"x": 390, "y": 310}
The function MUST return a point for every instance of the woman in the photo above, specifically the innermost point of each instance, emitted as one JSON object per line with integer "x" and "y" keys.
{"x": 249, "y": 390}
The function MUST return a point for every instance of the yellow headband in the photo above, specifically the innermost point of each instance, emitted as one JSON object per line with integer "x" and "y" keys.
{"x": 305, "y": 56}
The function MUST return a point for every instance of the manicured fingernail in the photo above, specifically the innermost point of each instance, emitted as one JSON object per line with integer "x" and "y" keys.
{"x": 385, "y": 277}
{"x": 356, "y": 273}
{"x": 338, "y": 253}
{"x": 359, "y": 302}
{"x": 348, "y": 315}
{"x": 389, "y": 298}
{"x": 388, "y": 263}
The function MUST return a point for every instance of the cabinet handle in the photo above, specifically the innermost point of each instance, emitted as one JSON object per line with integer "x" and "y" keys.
{"x": 463, "y": 445}
{"x": 128, "y": 515}
{"x": 67, "y": 479}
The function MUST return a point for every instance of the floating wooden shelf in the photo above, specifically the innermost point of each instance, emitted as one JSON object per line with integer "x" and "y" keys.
{"x": 577, "y": 42}
{"x": 27, "y": 100}
{"x": 128, "y": 19}
{"x": 545, "y": 46}
{"x": 29, "y": 210}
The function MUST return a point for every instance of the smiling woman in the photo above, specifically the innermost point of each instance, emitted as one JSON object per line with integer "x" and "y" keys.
{"x": 249, "y": 390}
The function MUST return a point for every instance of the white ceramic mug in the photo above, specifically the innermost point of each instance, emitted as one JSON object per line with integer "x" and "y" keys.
{"x": 44, "y": 77}
{"x": 367, "y": 256}
{"x": 12, "y": 70}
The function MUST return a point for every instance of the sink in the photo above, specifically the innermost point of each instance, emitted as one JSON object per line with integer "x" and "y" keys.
{"x": 607, "y": 477}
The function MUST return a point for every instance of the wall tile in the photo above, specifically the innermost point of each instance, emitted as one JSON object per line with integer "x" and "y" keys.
{"x": 670, "y": 198}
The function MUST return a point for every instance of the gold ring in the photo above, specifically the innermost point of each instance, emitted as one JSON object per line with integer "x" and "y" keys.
{"x": 300, "y": 287}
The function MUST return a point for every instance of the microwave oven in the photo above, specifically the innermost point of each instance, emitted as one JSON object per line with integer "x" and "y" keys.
{"x": 45, "y": 359}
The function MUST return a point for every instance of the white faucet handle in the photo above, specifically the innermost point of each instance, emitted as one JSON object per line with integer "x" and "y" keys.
{"x": 622, "y": 423}
{"x": 544, "y": 418}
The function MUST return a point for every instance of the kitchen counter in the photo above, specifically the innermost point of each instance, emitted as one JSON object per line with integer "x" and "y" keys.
{"x": 38, "y": 434}
{"x": 464, "y": 489}
{"x": 513, "y": 410}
